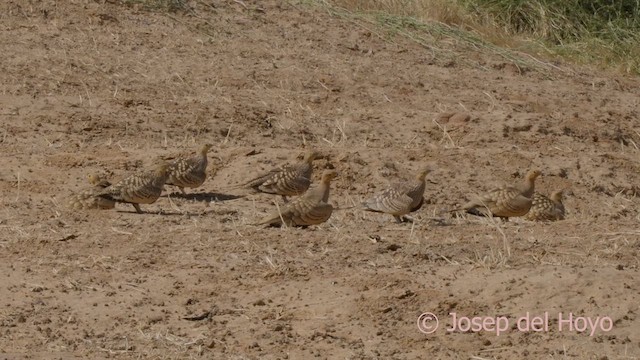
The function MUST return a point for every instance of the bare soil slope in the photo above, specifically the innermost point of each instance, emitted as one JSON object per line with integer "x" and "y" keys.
{"x": 101, "y": 87}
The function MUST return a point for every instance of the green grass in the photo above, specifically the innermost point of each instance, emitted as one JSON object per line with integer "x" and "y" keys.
{"x": 589, "y": 31}
{"x": 595, "y": 32}
{"x": 389, "y": 24}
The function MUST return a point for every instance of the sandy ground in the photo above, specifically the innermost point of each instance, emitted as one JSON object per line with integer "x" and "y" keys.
{"x": 102, "y": 87}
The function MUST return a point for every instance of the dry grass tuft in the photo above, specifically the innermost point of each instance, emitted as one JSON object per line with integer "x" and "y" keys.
{"x": 420, "y": 22}
{"x": 588, "y": 32}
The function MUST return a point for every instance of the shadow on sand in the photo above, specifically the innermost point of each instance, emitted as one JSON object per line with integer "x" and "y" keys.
{"x": 207, "y": 196}
{"x": 180, "y": 213}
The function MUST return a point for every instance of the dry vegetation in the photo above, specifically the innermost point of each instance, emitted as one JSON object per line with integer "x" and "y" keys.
{"x": 594, "y": 32}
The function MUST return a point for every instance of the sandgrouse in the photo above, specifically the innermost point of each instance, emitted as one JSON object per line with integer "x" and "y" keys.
{"x": 97, "y": 181}
{"x": 189, "y": 172}
{"x": 286, "y": 181}
{"x": 139, "y": 188}
{"x": 506, "y": 201}
{"x": 312, "y": 208}
{"x": 89, "y": 199}
{"x": 400, "y": 199}
{"x": 546, "y": 208}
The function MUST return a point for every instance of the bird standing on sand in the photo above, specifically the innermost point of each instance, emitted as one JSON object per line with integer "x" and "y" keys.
{"x": 89, "y": 199}
{"x": 546, "y": 208}
{"x": 312, "y": 208}
{"x": 400, "y": 199}
{"x": 142, "y": 188}
{"x": 189, "y": 172}
{"x": 289, "y": 180}
{"x": 506, "y": 201}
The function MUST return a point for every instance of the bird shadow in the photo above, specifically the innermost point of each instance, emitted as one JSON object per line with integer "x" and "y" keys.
{"x": 438, "y": 221}
{"x": 207, "y": 196}
{"x": 160, "y": 212}
{"x": 169, "y": 213}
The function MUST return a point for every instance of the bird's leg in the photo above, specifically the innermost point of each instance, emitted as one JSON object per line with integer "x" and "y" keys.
{"x": 182, "y": 190}
{"x": 285, "y": 199}
{"x": 398, "y": 218}
{"x": 406, "y": 218}
{"x": 138, "y": 210}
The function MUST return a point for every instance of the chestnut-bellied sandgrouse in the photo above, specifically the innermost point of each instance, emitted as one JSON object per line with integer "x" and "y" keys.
{"x": 506, "y": 201}
{"x": 89, "y": 199}
{"x": 546, "y": 208}
{"x": 400, "y": 199}
{"x": 289, "y": 180}
{"x": 139, "y": 188}
{"x": 311, "y": 208}
{"x": 190, "y": 172}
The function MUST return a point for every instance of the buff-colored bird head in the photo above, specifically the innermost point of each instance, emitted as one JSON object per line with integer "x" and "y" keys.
{"x": 311, "y": 155}
{"x": 329, "y": 175}
{"x": 94, "y": 179}
{"x": 556, "y": 196}
{"x": 205, "y": 148}
{"x": 532, "y": 175}
{"x": 422, "y": 174}
{"x": 163, "y": 168}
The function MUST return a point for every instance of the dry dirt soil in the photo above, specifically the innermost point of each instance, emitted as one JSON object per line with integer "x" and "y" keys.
{"x": 108, "y": 87}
